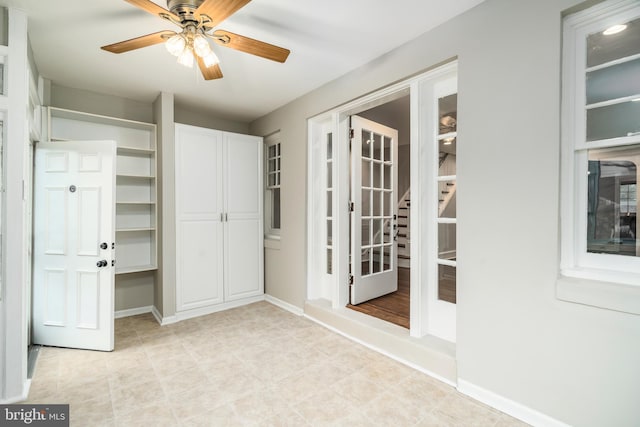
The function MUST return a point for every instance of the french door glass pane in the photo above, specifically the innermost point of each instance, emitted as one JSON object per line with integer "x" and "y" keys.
{"x": 447, "y": 200}
{"x": 447, "y": 241}
{"x": 448, "y": 114}
{"x": 613, "y": 201}
{"x": 366, "y": 173}
{"x": 447, "y": 283}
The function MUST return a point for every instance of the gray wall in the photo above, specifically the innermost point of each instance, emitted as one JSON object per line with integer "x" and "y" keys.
{"x": 575, "y": 363}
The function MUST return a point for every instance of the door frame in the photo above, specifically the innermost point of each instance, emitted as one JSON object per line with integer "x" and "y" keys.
{"x": 335, "y": 286}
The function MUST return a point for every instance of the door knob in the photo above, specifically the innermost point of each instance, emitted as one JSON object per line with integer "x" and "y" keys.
{"x": 102, "y": 263}
{"x": 104, "y": 245}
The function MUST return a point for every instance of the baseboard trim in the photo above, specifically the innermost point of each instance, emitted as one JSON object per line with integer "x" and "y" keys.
{"x": 203, "y": 311}
{"x": 162, "y": 320}
{"x": 133, "y": 311}
{"x": 284, "y": 305}
{"x": 515, "y": 409}
{"x": 25, "y": 395}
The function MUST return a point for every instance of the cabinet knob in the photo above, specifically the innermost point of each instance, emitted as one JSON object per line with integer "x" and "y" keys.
{"x": 104, "y": 245}
{"x": 102, "y": 263}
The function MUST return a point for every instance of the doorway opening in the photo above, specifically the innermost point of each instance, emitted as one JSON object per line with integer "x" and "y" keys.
{"x": 365, "y": 224}
{"x": 382, "y": 203}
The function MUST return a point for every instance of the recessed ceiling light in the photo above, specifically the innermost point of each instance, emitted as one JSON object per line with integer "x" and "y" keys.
{"x": 614, "y": 29}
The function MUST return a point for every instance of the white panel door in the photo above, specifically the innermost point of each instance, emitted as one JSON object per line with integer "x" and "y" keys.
{"x": 74, "y": 217}
{"x": 374, "y": 184}
{"x": 200, "y": 217}
{"x": 244, "y": 254}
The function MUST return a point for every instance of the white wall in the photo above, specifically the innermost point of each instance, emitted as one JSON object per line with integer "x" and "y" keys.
{"x": 574, "y": 363}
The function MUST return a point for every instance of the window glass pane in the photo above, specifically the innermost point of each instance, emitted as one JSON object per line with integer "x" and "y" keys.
{"x": 613, "y": 201}
{"x": 388, "y": 204}
{"x": 367, "y": 143}
{"x": 377, "y": 231}
{"x": 377, "y": 203}
{"x": 366, "y": 203}
{"x": 377, "y": 259}
{"x": 447, "y": 241}
{"x": 387, "y": 149}
{"x": 272, "y": 151}
{"x": 602, "y": 48}
{"x": 387, "y": 258}
{"x": 447, "y": 199}
{"x": 377, "y": 146}
{"x": 614, "y": 82}
{"x": 366, "y": 173}
{"x": 329, "y": 203}
{"x": 329, "y": 146}
{"x": 377, "y": 175}
{"x": 275, "y": 219}
{"x": 448, "y": 113}
{"x": 329, "y": 232}
{"x": 329, "y": 261}
{"x": 387, "y": 177}
{"x": 447, "y": 156}
{"x": 447, "y": 283}
{"x": 329, "y": 175}
{"x": 366, "y": 239}
{"x": 613, "y": 121}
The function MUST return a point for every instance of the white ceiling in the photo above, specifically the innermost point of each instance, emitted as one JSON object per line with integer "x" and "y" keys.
{"x": 327, "y": 38}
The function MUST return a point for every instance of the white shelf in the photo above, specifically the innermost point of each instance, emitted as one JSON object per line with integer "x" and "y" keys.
{"x": 141, "y": 177}
{"x": 134, "y": 229}
{"x": 136, "y": 269}
{"x": 135, "y": 151}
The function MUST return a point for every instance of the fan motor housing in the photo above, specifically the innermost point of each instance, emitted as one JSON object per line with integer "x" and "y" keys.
{"x": 183, "y": 8}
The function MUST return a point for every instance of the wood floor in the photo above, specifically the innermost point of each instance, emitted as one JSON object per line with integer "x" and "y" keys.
{"x": 393, "y": 307}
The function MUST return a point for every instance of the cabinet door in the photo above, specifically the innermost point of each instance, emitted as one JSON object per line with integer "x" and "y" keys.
{"x": 199, "y": 226}
{"x": 243, "y": 234}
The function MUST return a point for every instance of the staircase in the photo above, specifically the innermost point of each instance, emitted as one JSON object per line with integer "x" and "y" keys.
{"x": 446, "y": 193}
{"x": 404, "y": 229}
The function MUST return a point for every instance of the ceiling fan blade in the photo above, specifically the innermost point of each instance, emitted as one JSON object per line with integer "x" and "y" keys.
{"x": 219, "y": 10}
{"x": 249, "y": 45}
{"x": 151, "y": 7}
{"x": 138, "y": 42}
{"x": 209, "y": 73}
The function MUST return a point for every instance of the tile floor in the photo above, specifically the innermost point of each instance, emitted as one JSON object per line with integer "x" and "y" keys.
{"x": 256, "y": 365}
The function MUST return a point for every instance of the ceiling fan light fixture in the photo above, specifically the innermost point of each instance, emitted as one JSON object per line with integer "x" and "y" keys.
{"x": 176, "y": 44}
{"x": 186, "y": 58}
{"x": 201, "y": 45}
{"x": 210, "y": 59}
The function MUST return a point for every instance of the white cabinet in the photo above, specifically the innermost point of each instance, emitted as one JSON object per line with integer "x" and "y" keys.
{"x": 136, "y": 237}
{"x": 218, "y": 191}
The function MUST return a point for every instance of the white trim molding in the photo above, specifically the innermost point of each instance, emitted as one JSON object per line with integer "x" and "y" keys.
{"x": 133, "y": 311}
{"x": 515, "y": 409}
{"x": 284, "y": 305}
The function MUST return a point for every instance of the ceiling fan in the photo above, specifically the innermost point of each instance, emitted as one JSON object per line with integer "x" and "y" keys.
{"x": 197, "y": 20}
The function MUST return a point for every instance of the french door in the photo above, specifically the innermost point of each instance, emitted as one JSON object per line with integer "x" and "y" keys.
{"x": 73, "y": 273}
{"x": 374, "y": 185}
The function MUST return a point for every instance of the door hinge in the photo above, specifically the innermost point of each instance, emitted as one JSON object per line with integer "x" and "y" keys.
{"x": 351, "y": 279}
{"x": 351, "y": 206}
{"x": 351, "y": 133}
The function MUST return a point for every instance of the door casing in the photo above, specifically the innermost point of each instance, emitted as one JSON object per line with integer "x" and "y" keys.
{"x": 420, "y": 89}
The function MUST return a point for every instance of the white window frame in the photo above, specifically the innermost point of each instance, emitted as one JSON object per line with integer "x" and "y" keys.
{"x": 602, "y": 280}
{"x": 269, "y": 231}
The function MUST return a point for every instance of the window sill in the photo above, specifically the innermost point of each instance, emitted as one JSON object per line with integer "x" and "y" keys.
{"x": 272, "y": 242}
{"x": 610, "y": 295}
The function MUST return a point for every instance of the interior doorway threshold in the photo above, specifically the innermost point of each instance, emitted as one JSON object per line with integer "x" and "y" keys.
{"x": 431, "y": 355}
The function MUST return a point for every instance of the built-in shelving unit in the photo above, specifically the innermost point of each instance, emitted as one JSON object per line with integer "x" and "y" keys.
{"x": 136, "y": 187}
